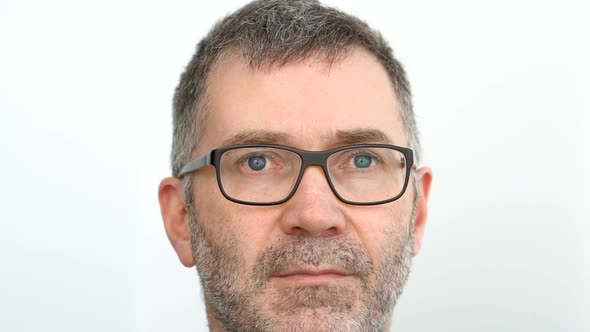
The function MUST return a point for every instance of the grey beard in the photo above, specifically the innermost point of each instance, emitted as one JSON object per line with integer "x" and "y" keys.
{"x": 221, "y": 268}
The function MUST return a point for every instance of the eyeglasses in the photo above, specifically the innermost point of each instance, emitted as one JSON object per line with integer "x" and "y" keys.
{"x": 266, "y": 174}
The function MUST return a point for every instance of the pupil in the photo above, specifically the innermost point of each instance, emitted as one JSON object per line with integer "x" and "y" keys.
{"x": 362, "y": 161}
{"x": 256, "y": 163}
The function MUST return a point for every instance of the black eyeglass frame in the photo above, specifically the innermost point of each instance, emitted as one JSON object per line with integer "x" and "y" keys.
{"x": 308, "y": 158}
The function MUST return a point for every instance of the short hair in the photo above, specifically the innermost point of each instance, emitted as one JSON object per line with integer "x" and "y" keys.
{"x": 273, "y": 33}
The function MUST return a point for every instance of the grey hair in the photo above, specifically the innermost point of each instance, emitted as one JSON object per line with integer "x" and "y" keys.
{"x": 272, "y": 33}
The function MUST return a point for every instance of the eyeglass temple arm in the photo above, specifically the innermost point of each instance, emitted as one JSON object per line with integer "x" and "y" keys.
{"x": 202, "y": 161}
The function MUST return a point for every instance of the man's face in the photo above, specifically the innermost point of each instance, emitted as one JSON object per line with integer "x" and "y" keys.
{"x": 313, "y": 262}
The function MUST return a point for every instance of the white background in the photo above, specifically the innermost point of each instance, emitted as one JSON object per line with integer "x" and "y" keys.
{"x": 501, "y": 92}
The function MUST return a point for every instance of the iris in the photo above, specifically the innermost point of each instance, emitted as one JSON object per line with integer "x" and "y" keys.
{"x": 257, "y": 163}
{"x": 362, "y": 161}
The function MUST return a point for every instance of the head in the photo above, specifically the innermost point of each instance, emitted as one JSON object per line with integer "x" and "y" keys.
{"x": 296, "y": 74}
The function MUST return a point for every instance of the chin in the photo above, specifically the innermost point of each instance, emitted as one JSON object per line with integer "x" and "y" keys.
{"x": 321, "y": 308}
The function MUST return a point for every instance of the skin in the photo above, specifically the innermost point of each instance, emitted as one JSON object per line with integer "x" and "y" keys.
{"x": 307, "y": 105}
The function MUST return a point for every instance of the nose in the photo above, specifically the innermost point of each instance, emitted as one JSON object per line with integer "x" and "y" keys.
{"x": 313, "y": 210}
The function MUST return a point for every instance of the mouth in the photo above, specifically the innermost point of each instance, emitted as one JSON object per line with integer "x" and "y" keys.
{"x": 312, "y": 277}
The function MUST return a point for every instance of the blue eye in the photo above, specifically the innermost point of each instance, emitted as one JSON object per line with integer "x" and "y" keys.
{"x": 256, "y": 163}
{"x": 362, "y": 161}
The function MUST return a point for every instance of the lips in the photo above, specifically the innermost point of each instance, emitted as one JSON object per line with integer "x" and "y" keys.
{"x": 311, "y": 273}
{"x": 311, "y": 277}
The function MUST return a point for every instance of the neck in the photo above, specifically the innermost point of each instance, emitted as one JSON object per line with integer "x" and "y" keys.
{"x": 215, "y": 324}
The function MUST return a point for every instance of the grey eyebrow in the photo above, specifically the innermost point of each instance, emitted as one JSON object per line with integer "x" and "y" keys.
{"x": 259, "y": 137}
{"x": 362, "y": 135}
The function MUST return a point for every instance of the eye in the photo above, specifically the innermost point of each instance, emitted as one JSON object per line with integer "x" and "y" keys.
{"x": 362, "y": 161}
{"x": 257, "y": 163}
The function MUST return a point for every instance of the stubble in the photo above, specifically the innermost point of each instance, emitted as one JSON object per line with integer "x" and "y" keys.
{"x": 242, "y": 299}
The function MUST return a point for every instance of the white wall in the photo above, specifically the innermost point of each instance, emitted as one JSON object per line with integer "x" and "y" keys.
{"x": 85, "y": 130}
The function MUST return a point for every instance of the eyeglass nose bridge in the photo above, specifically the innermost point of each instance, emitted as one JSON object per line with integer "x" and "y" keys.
{"x": 315, "y": 158}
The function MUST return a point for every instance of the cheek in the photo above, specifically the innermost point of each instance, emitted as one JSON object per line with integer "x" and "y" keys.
{"x": 242, "y": 231}
{"x": 381, "y": 228}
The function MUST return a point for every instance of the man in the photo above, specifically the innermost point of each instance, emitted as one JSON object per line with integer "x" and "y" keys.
{"x": 295, "y": 189}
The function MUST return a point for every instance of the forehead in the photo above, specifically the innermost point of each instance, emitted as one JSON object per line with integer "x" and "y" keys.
{"x": 307, "y": 104}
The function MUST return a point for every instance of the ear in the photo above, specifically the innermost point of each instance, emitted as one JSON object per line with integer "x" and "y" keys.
{"x": 173, "y": 209}
{"x": 423, "y": 179}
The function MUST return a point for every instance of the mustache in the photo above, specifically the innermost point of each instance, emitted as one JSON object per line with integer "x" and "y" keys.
{"x": 346, "y": 255}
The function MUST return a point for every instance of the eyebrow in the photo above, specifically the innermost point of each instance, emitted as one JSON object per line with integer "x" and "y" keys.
{"x": 338, "y": 137}
{"x": 361, "y": 135}
{"x": 259, "y": 137}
